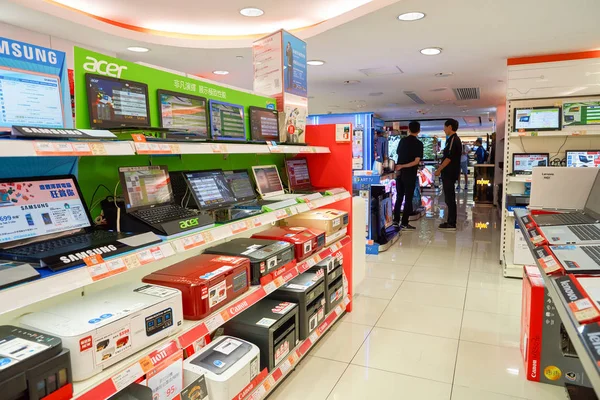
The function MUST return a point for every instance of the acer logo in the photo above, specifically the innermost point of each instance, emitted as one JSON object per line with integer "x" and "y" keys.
{"x": 103, "y": 67}
{"x": 188, "y": 223}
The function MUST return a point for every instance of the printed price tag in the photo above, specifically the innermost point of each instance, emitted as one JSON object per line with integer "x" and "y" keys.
{"x": 270, "y": 287}
{"x": 128, "y": 376}
{"x": 218, "y": 148}
{"x": 145, "y": 256}
{"x": 280, "y": 214}
{"x": 581, "y": 304}
{"x": 586, "y": 315}
{"x": 142, "y": 148}
{"x": 285, "y": 366}
{"x": 175, "y": 148}
{"x": 98, "y": 149}
{"x": 93, "y": 260}
{"x": 214, "y": 322}
{"x": 81, "y": 149}
{"x": 208, "y": 237}
{"x": 274, "y": 148}
{"x": 131, "y": 261}
{"x": 537, "y": 239}
{"x": 549, "y": 264}
{"x": 138, "y": 138}
{"x": 238, "y": 227}
{"x": 256, "y": 222}
{"x": 166, "y": 381}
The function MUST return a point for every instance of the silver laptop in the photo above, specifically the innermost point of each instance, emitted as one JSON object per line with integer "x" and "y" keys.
{"x": 572, "y": 234}
{"x": 578, "y": 259}
{"x": 268, "y": 183}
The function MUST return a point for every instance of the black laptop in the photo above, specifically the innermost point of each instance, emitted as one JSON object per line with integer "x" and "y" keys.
{"x": 44, "y": 220}
{"x": 243, "y": 190}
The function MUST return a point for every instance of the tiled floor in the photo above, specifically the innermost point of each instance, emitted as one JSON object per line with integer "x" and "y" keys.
{"x": 433, "y": 320}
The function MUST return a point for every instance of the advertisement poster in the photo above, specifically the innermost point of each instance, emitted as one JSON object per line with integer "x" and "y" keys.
{"x": 296, "y": 112}
{"x": 294, "y": 65}
{"x": 581, "y": 113}
{"x": 268, "y": 69}
{"x": 342, "y": 133}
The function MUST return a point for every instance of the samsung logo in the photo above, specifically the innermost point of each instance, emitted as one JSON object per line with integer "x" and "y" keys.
{"x": 28, "y": 52}
{"x": 84, "y": 254}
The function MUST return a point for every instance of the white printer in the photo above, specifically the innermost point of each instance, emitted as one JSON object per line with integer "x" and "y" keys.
{"x": 228, "y": 364}
{"x": 107, "y": 326}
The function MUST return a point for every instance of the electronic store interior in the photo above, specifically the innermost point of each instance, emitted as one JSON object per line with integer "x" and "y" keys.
{"x": 283, "y": 200}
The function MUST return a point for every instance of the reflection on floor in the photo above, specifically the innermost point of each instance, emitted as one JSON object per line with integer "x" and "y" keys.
{"x": 433, "y": 320}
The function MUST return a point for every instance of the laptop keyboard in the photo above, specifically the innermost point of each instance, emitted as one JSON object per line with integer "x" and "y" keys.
{"x": 55, "y": 244}
{"x": 585, "y": 232}
{"x": 573, "y": 218}
{"x": 162, "y": 214}
{"x": 593, "y": 252}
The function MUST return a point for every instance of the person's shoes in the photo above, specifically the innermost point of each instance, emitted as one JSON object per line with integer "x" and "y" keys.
{"x": 396, "y": 225}
{"x": 466, "y": 188}
{"x": 458, "y": 188}
{"x": 408, "y": 227}
{"x": 447, "y": 227}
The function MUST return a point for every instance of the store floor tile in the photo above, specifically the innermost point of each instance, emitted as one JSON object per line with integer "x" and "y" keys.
{"x": 488, "y": 328}
{"x": 379, "y": 288}
{"x": 342, "y": 342}
{"x": 388, "y": 271}
{"x": 466, "y": 393}
{"x": 493, "y": 301}
{"x": 431, "y": 294}
{"x": 439, "y": 275}
{"x": 365, "y": 310}
{"x": 420, "y": 318}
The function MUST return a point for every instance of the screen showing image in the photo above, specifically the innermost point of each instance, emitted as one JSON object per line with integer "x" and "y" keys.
{"x": 210, "y": 189}
{"x": 117, "y": 103}
{"x": 30, "y": 209}
{"x": 180, "y": 111}
{"x": 537, "y": 119}
{"x": 239, "y": 182}
{"x": 581, "y": 113}
{"x": 297, "y": 171}
{"x": 526, "y": 162}
{"x": 145, "y": 186}
{"x": 29, "y": 99}
{"x": 227, "y": 121}
{"x": 583, "y": 158}
{"x": 264, "y": 124}
{"x": 267, "y": 179}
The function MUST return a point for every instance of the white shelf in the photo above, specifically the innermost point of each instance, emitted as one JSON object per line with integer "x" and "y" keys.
{"x": 45, "y": 148}
{"x": 157, "y": 148}
{"x": 575, "y": 133}
{"x": 520, "y": 178}
{"x": 511, "y": 270}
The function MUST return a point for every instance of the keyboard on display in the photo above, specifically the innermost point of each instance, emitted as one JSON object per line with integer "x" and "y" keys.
{"x": 585, "y": 232}
{"x": 161, "y": 214}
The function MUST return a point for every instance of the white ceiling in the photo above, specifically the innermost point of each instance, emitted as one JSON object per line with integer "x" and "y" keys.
{"x": 477, "y": 36}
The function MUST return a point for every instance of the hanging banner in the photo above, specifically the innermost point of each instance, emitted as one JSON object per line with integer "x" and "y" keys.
{"x": 294, "y": 65}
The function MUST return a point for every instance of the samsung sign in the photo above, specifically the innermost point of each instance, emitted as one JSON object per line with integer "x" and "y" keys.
{"x": 31, "y": 53}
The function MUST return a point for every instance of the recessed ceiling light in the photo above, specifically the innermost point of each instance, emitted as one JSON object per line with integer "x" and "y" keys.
{"x": 443, "y": 74}
{"x": 411, "y": 16}
{"x": 351, "y": 82}
{"x": 137, "y": 49}
{"x": 315, "y": 62}
{"x": 251, "y": 12}
{"x": 431, "y": 51}
{"x": 221, "y": 72}
{"x": 376, "y": 94}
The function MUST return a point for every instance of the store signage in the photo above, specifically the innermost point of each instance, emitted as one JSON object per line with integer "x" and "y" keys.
{"x": 103, "y": 67}
{"x": 483, "y": 182}
{"x": 52, "y": 133}
{"x": 30, "y": 53}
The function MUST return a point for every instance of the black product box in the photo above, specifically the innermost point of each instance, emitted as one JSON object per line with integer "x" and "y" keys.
{"x": 308, "y": 291}
{"x": 272, "y": 326}
{"x": 265, "y": 256}
{"x": 517, "y": 200}
{"x": 333, "y": 272}
{"x": 37, "y": 365}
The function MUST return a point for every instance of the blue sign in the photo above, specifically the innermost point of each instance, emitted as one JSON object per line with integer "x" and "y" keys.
{"x": 294, "y": 65}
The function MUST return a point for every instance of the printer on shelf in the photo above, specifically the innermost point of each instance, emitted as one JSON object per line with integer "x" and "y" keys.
{"x": 272, "y": 326}
{"x": 228, "y": 364}
{"x": 328, "y": 220}
{"x": 105, "y": 327}
{"x": 306, "y": 241}
{"x": 32, "y": 365}
{"x": 333, "y": 272}
{"x": 207, "y": 282}
{"x": 265, "y": 256}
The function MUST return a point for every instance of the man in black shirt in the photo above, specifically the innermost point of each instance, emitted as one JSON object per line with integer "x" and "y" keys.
{"x": 450, "y": 171}
{"x": 410, "y": 153}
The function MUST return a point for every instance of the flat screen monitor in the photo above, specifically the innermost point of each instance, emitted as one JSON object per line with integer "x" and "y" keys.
{"x": 297, "y": 172}
{"x": 117, "y": 103}
{"x": 183, "y": 111}
{"x": 268, "y": 181}
{"x": 264, "y": 124}
{"x": 227, "y": 121}
{"x": 145, "y": 187}
{"x": 537, "y": 119}
{"x": 39, "y": 207}
{"x": 29, "y": 98}
{"x": 525, "y": 162}
{"x": 581, "y": 113}
{"x": 239, "y": 181}
{"x": 210, "y": 189}
{"x": 583, "y": 158}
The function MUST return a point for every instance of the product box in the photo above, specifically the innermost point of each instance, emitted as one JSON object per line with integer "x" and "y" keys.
{"x": 207, "y": 282}
{"x": 306, "y": 241}
{"x": 104, "y": 327}
{"x": 521, "y": 253}
{"x": 328, "y": 220}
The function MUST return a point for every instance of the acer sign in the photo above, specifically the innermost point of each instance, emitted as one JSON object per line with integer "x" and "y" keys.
{"x": 102, "y": 67}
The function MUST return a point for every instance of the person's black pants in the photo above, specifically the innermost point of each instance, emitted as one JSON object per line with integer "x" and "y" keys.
{"x": 450, "y": 198}
{"x": 405, "y": 189}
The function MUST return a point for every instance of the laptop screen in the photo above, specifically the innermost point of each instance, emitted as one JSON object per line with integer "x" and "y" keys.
{"x": 183, "y": 111}
{"x": 267, "y": 180}
{"x": 145, "y": 186}
{"x": 526, "y": 161}
{"x": 297, "y": 172}
{"x": 583, "y": 158}
{"x": 239, "y": 182}
{"x": 210, "y": 189}
{"x": 593, "y": 201}
{"x": 264, "y": 124}
{"x": 30, "y": 209}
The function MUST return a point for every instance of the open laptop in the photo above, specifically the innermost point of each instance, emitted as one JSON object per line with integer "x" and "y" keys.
{"x": 299, "y": 177}
{"x": 589, "y": 215}
{"x": 149, "y": 198}
{"x": 44, "y": 220}
{"x": 268, "y": 183}
{"x": 578, "y": 259}
{"x": 209, "y": 189}
{"x": 572, "y": 234}
{"x": 243, "y": 190}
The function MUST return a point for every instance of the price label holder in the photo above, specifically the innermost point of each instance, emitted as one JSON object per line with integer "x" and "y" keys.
{"x": 197, "y": 390}
{"x": 547, "y": 261}
{"x": 166, "y": 380}
{"x": 580, "y": 304}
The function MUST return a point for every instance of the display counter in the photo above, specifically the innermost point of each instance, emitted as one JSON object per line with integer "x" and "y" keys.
{"x": 483, "y": 192}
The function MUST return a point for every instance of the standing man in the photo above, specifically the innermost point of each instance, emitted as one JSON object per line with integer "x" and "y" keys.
{"x": 480, "y": 152}
{"x": 449, "y": 169}
{"x": 410, "y": 153}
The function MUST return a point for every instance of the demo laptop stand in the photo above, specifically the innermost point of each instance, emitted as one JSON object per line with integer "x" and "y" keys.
{"x": 246, "y": 198}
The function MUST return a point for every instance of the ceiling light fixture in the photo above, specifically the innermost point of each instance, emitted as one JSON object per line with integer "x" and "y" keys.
{"x": 137, "y": 49}
{"x": 351, "y": 82}
{"x": 315, "y": 62}
{"x": 431, "y": 51}
{"x": 411, "y": 16}
{"x": 221, "y": 72}
{"x": 251, "y": 12}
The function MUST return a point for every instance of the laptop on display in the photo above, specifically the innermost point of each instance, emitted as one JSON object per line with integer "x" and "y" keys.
{"x": 299, "y": 177}
{"x": 578, "y": 259}
{"x": 209, "y": 189}
{"x": 44, "y": 220}
{"x": 264, "y": 125}
{"x": 247, "y": 203}
{"x": 268, "y": 183}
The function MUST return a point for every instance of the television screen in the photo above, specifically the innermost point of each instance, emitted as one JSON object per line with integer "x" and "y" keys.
{"x": 227, "y": 121}
{"x": 581, "y": 113}
{"x": 264, "y": 124}
{"x": 583, "y": 158}
{"x": 183, "y": 111}
{"x": 28, "y": 98}
{"x": 117, "y": 103}
{"x": 537, "y": 119}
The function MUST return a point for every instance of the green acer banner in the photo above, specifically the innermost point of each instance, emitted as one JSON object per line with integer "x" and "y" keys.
{"x": 96, "y": 63}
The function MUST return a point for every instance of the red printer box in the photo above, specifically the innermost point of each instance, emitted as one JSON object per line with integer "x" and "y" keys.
{"x": 207, "y": 282}
{"x": 306, "y": 241}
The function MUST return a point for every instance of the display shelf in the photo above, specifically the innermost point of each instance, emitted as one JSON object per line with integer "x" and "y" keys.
{"x": 267, "y": 386}
{"x": 42, "y": 289}
{"x": 511, "y": 270}
{"x": 577, "y": 133}
{"x": 45, "y": 148}
{"x": 520, "y": 178}
{"x": 125, "y": 372}
{"x": 222, "y": 148}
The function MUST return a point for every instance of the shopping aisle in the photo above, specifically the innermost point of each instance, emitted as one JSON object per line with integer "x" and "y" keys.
{"x": 434, "y": 320}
